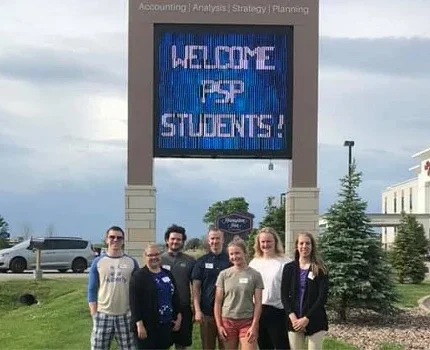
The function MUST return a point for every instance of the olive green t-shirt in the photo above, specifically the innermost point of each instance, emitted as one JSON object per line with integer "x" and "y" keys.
{"x": 239, "y": 288}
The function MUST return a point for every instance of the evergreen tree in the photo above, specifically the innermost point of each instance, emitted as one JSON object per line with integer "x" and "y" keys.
{"x": 409, "y": 250}
{"x": 360, "y": 277}
{"x": 4, "y": 227}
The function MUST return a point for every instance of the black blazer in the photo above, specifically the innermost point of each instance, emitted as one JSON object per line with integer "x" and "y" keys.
{"x": 144, "y": 299}
{"x": 314, "y": 300}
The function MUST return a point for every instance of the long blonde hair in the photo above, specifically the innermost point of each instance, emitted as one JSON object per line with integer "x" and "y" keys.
{"x": 317, "y": 264}
{"x": 279, "y": 249}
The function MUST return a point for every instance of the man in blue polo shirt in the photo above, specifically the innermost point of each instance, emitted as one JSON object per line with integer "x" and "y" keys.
{"x": 204, "y": 276}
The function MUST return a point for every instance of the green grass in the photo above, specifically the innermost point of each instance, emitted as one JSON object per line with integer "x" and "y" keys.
{"x": 410, "y": 294}
{"x": 62, "y": 320}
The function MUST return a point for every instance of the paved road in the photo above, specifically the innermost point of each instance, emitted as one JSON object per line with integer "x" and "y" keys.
{"x": 28, "y": 275}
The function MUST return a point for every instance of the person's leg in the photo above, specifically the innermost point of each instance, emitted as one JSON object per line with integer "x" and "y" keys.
{"x": 123, "y": 333}
{"x": 264, "y": 341}
{"x": 277, "y": 329}
{"x": 245, "y": 344}
{"x": 208, "y": 333}
{"x": 184, "y": 337}
{"x": 297, "y": 340}
{"x": 315, "y": 341}
{"x": 232, "y": 330}
{"x": 163, "y": 336}
{"x": 103, "y": 331}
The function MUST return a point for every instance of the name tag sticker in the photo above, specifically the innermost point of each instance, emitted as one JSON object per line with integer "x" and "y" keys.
{"x": 183, "y": 265}
{"x": 123, "y": 266}
{"x": 167, "y": 267}
{"x": 243, "y": 280}
{"x": 209, "y": 265}
{"x": 311, "y": 275}
{"x": 166, "y": 279}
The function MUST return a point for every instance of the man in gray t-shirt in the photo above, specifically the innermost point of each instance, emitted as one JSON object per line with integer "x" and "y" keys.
{"x": 181, "y": 266}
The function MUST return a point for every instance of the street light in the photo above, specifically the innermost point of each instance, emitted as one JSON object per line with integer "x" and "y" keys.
{"x": 349, "y": 144}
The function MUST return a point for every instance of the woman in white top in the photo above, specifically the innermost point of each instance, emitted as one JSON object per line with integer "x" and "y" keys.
{"x": 269, "y": 260}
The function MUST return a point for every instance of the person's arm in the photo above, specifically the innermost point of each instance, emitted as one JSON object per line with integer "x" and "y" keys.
{"x": 197, "y": 277}
{"x": 286, "y": 298}
{"x": 176, "y": 303}
{"x": 93, "y": 287}
{"x": 322, "y": 294}
{"x": 219, "y": 296}
{"x": 252, "y": 332}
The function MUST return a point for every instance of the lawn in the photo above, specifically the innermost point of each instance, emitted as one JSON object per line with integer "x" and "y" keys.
{"x": 410, "y": 293}
{"x": 62, "y": 321}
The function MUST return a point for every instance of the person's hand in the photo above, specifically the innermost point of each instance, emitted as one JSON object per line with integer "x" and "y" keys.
{"x": 222, "y": 333}
{"x": 141, "y": 331}
{"x": 300, "y": 324}
{"x": 177, "y": 323}
{"x": 198, "y": 316}
{"x": 252, "y": 334}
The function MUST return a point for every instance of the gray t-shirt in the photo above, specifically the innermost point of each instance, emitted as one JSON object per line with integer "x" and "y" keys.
{"x": 181, "y": 267}
{"x": 239, "y": 288}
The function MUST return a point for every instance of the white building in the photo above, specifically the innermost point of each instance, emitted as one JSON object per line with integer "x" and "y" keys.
{"x": 411, "y": 196}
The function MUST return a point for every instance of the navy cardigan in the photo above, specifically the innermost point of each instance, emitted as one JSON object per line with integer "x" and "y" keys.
{"x": 314, "y": 299}
{"x": 144, "y": 299}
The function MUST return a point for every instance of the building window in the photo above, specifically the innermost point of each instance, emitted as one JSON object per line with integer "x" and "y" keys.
{"x": 410, "y": 199}
{"x": 395, "y": 202}
{"x": 402, "y": 201}
{"x": 385, "y": 205}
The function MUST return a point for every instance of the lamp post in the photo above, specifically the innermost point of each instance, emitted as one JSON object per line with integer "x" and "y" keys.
{"x": 349, "y": 144}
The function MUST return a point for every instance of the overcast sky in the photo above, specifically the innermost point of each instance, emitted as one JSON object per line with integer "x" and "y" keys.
{"x": 63, "y": 115}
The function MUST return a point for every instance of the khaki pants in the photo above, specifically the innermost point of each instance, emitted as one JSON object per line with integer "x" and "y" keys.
{"x": 297, "y": 340}
{"x": 209, "y": 334}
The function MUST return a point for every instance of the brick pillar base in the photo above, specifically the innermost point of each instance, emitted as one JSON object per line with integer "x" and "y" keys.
{"x": 139, "y": 219}
{"x": 301, "y": 214}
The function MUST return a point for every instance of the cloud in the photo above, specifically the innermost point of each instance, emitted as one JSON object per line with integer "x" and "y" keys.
{"x": 49, "y": 66}
{"x": 401, "y": 57}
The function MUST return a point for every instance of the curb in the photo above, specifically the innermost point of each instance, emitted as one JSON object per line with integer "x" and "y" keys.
{"x": 424, "y": 303}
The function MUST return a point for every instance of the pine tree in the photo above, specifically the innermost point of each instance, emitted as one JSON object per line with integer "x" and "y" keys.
{"x": 4, "y": 227}
{"x": 359, "y": 275}
{"x": 408, "y": 251}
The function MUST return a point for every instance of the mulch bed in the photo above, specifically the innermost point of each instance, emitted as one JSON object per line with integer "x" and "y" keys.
{"x": 367, "y": 330}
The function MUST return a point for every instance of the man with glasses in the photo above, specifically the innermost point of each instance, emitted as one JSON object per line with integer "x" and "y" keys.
{"x": 108, "y": 294}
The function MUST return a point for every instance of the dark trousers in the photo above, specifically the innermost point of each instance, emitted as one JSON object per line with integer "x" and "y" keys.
{"x": 159, "y": 338}
{"x": 273, "y": 333}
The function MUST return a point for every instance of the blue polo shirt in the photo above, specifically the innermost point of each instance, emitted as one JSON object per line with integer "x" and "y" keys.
{"x": 206, "y": 270}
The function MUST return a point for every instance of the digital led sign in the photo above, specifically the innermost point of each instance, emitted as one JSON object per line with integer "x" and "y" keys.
{"x": 222, "y": 91}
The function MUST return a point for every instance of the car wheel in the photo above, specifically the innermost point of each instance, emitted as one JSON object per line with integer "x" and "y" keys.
{"x": 79, "y": 265}
{"x": 18, "y": 265}
{"x": 62, "y": 270}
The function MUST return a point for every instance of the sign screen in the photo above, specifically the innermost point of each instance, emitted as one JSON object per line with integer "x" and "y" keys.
{"x": 222, "y": 91}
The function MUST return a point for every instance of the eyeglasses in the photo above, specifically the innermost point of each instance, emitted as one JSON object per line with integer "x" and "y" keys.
{"x": 116, "y": 238}
{"x": 152, "y": 255}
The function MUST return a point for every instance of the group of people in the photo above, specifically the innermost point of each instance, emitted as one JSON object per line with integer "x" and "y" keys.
{"x": 272, "y": 302}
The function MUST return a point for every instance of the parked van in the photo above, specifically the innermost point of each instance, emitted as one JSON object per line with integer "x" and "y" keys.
{"x": 57, "y": 253}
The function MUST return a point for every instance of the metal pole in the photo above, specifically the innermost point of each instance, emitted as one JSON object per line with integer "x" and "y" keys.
{"x": 349, "y": 159}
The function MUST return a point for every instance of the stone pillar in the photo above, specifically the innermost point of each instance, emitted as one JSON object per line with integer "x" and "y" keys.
{"x": 301, "y": 214}
{"x": 139, "y": 219}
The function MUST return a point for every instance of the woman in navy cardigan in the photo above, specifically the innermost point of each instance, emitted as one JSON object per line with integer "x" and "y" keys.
{"x": 304, "y": 290}
{"x": 154, "y": 303}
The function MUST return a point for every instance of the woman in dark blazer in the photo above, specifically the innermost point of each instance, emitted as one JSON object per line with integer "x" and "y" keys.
{"x": 154, "y": 303}
{"x": 304, "y": 290}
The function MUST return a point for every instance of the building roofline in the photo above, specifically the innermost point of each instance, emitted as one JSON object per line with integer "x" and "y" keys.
{"x": 421, "y": 153}
{"x": 400, "y": 183}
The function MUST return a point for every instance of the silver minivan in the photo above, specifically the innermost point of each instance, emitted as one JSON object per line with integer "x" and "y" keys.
{"x": 57, "y": 253}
